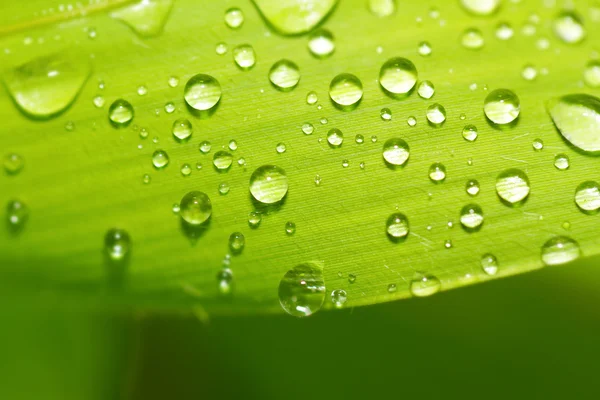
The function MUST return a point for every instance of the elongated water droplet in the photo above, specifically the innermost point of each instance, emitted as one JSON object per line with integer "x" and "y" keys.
{"x": 284, "y": 75}
{"x": 425, "y": 286}
{"x": 398, "y": 76}
{"x": 182, "y": 129}
{"x": 568, "y": 27}
{"x": 290, "y": 228}
{"x": 339, "y": 297}
{"x": 436, "y": 114}
{"x": 146, "y": 17}
{"x": 117, "y": 244}
{"x": 196, "y": 208}
{"x": 560, "y": 250}
{"x": 302, "y": 290}
{"x": 397, "y": 226}
{"x": 480, "y": 7}
{"x": 268, "y": 184}
{"x": 587, "y": 196}
{"x": 591, "y": 74}
{"x": 471, "y": 217}
{"x": 502, "y": 106}
{"x": 13, "y": 163}
{"x": 293, "y": 17}
{"x": 426, "y": 90}
{"x": 244, "y": 56}
{"x": 437, "y": 172}
{"x": 46, "y": 86}
{"x": 512, "y": 186}
{"x": 234, "y": 18}
{"x": 160, "y": 159}
{"x": 345, "y": 90}
{"x": 222, "y": 160}
{"x": 489, "y": 264}
{"x": 17, "y": 214}
{"x": 396, "y": 152}
{"x": 225, "y": 281}
{"x": 321, "y": 43}
{"x": 335, "y": 137}
{"x": 577, "y": 117}
{"x": 202, "y": 92}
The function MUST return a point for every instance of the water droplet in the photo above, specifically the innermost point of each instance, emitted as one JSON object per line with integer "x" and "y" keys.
{"x": 222, "y": 160}
{"x": 234, "y": 18}
{"x": 568, "y": 27}
{"x": 120, "y": 113}
{"x": 142, "y": 90}
{"x": 529, "y": 72}
{"x": 117, "y": 244}
{"x": 392, "y": 288}
{"x": 280, "y": 148}
{"x": 225, "y": 281}
{"x": 448, "y": 244}
{"x": 311, "y": 98}
{"x": 502, "y": 106}
{"x": 345, "y": 163}
{"x": 398, "y": 76}
{"x": 173, "y": 81}
{"x": 424, "y": 49}
{"x": 237, "y": 241}
{"x": 561, "y": 162}
{"x": 268, "y": 184}
{"x": 146, "y": 179}
{"x": 145, "y": 17}
{"x": 232, "y": 145}
{"x": 351, "y": 278}
{"x": 480, "y": 7}
{"x": 411, "y": 121}
{"x": 323, "y": 121}
{"x": 176, "y": 208}
{"x": 13, "y": 163}
{"x": 321, "y": 43}
{"x": 308, "y": 128}
{"x": 202, "y": 92}
{"x": 425, "y": 286}
{"x": 98, "y": 101}
{"x": 302, "y": 290}
{"x": 396, "y": 151}
{"x": 386, "y": 114}
{"x": 577, "y": 117}
{"x": 160, "y": 159}
{"x": 69, "y": 126}
{"x": 591, "y": 74}
{"x": 397, "y": 226}
{"x": 254, "y": 219}
{"x": 345, "y": 90}
{"x": 426, "y": 90}
{"x": 169, "y": 107}
{"x": 196, "y": 208}
{"x": 472, "y": 188}
{"x": 504, "y": 31}
{"x": 382, "y": 8}
{"x": 471, "y": 217}
{"x": 512, "y": 186}
{"x": 472, "y": 39}
{"x": 205, "y": 147}
{"x": 537, "y": 144}
{"x": 143, "y": 133}
{"x": 317, "y": 180}
{"x": 293, "y": 17}
{"x": 335, "y": 137}
{"x": 46, "y": 86}
{"x": 489, "y": 264}
{"x": 186, "y": 170}
{"x": 284, "y": 75}
{"x": 17, "y": 214}
{"x": 470, "y": 133}
{"x": 436, "y": 114}
{"x": 560, "y": 250}
{"x": 437, "y": 172}
{"x": 242, "y": 162}
{"x": 587, "y": 197}
{"x": 182, "y": 129}
{"x": 290, "y": 228}
{"x": 339, "y": 297}
{"x": 244, "y": 56}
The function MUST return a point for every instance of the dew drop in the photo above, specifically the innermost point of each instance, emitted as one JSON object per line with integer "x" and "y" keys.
{"x": 512, "y": 186}
{"x": 269, "y": 184}
{"x": 426, "y": 90}
{"x": 568, "y": 27}
{"x": 537, "y": 144}
{"x": 472, "y": 188}
{"x": 396, "y": 152}
{"x": 284, "y": 75}
{"x": 425, "y": 286}
{"x": 560, "y": 250}
{"x": 237, "y": 241}
{"x": 117, "y": 244}
{"x": 232, "y": 145}
{"x": 397, "y": 226}
{"x": 142, "y": 90}
{"x": 205, "y": 147}
{"x": 398, "y": 76}
{"x": 359, "y": 139}
{"x": 577, "y": 117}
{"x": 529, "y": 72}
{"x": 186, "y": 170}
{"x": 146, "y": 179}
{"x": 222, "y": 160}
{"x": 234, "y": 18}
{"x": 13, "y": 163}
{"x": 98, "y": 101}
{"x": 351, "y": 278}
{"x": 437, "y": 172}
{"x": 339, "y": 297}
{"x": 345, "y": 90}
{"x": 302, "y": 290}
{"x": 321, "y": 43}
{"x": 587, "y": 197}
{"x": 280, "y": 148}
{"x": 345, "y": 163}
{"x": 308, "y": 128}
{"x": 173, "y": 81}
{"x": 182, "y": 129}
{"x": 489, "y": 264}
{"x": 223, "y": 188}
{"x": 244, "y": 56}
{"x": 472, "y": 39}
{"x": 471, "y": 217}
{"x": 311, "y": 98}
{"x": 392, "y": 288}
{"x": 386, "y": 114}
{"x": 411, "y": 121}
{"x": 290, "y": 228}
{"x": 436, "y": 114}
{"x": 335, "y": 137}
{"x": 202, "y": 92}
{"x": 160, "y": 159}
{"x": 254, "y": 219}
{"x": 502, "y": 106}
{"x": 225, "y": 281}
{"x": 196, "y": 208}
{"x": 382, "y": 8}
{"x": 504, "y": 31}
{"x": 470, "y": 133}
{"x": 561, "y": 162}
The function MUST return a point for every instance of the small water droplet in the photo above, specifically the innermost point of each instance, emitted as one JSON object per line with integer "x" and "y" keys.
{"x": 225, "y": 281}
{"x": 321, "y": 43}
{"x": 587, "y": 197}
{"x": 345, "y": 163}
{"x": 173, "y": 81}
{"x": 232, "y": 145}
{"x": 359, "y": 139}
{"x": 117, "y": 244}
{"x": 234, "y": 18}
{"x": 504, "y": 31}
{"x": 186, "y": 170}
{"x": 561, "y": 162}
{"x": 529, "y": 72}
{"x": 142, "y": 90}
{"x": 470, "y": 133}
{"x": 471, "y": 217}
{"x": 335, "y": 137}
{"x": 176, "y": 208}
{"x": 182, "y": 129}
{"x": 98, "y": 101}
{"x": 560, "y": 250}
{"x": 120, "y": 113}
{"x": 146, "y": 179}
{"x": 397, "y": 226}
{"x": 317, "y": 180}
{"x": 448, "y": 244}
{"x": 512, "y": 186}
{"x": 160, "y": 159}
{"x": 169, "y": 107}
{"x": 392, "y": 288}
{"x": 386, "y": 114}
{"x": 202, "y": 92}
{"x": 424, "y": 49}
{"x": 17, "y": 214}
{"x": 436, "y": 114}
{"x": 411, "y": 121}
{"x": 339, "y": 297}
{"x": 480, "y": 7}
{"x": 577, "y": 118}
{"x": 346, "y": 90}
{"x": 502, "y": 106}
{"x": 398, "y": 76}
{"x": 269, "y": 184}
{"x": 146, "y": 18}
{"x": 437, "y": 172}
{"x": 302, "y": 290}
{"x": 290, "y": 228}
{"x": 205, "y": 147}
{"x": 472, "y": 188}
{"x": 196, "y": 208}
{"x": 13, "y": 163}
{"x": 382, "y": 8}
{"x": 351, "y": 278}
{"x": 426, "y": 90}
{"x": 222, "y": 160}
{"x": 284, "y": 75}
{"x": 311, "y": 98}
{"x": 591, "y": 74}
{"x": 237, "y": 241}
{"x": 425, "y": 286}
{"x": 308, "y": 128}
{"x": 568, "y": 27}
{"x": 472, "y": 39}
{"x": 254, "y": 219}
{"x": 537, "y": 144}
{"x": 244, "y": 56}
{"x": 489, "y": 264}
{"x": 396, "y": 151}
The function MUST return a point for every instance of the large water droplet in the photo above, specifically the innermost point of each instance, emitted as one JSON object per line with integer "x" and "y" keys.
{"x": 502, "y": 106}
{"x": 471, "y": 217}
{"x": 397, "y": 226}
{"x": 117, "y": 244}
{"x": 202, "y": 92}
{"x": 195, "y": 208}
{"x": 302, "y": 290}
{"x": 398, "y": 76}
{"x": 120, "y": 113}
{"x": 577, "y": 117}
{"x": 292, "y": 17}
{"x": 284, "y": 75}
{"x": 345, "y": 90}
{"x": 587, "y": 197}
{"x": 480, "y": 7}
{"x": 268, "y": 184}
{"x": 568, "y": 27}
{"x": 396, "y": 151}
{"x": 46, "y": 86}
{"x": 512, "y": 186}
{"x": 425, "y": 286}
{"x": 146, "y": 17}
{"x": 560, "y": 250}
{"x": 321, "y": 44}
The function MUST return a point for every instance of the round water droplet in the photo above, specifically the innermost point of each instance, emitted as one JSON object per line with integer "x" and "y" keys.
{"x": 339, "y": 297}
{"x": 345, "y": 90}
{"x": 359, "y": 139}
{"x": 560, "y": 250}
{"x": 425, "y": 286}
{"x": 302, "y": 290}
{"x": 142, "y": 90}
{"x": 280, "y": 148}
{"x": 489, "y": 264}
{"x": 577, "y": 118}
{"x": 512, "y": 186}
{"x": 254, "y": 219}
{"x": 537, "y": 144}
{"x": 284, "y": 75}
{"x": 398, "y": 76}
{"x": 591, "y": 74}
{"x": 98, "y": 101}
{"x": 244, "y": 56}
{"x": 196, "y": 208}
{"x": 146, "y": 179}
{"x": 448, "y": 244}
{"x": 411, "y": 121}
{"x": 160, "y": 159}
{"x": 13, "y": 163}
{"x": 311, "y": 98}
{"x": 437, "y": 172}
{"x": 426, "y": 90}
{"x": 345, "y": 163}
{"x": 205, "y": 147}
{"x": 472, "y": 188}
{"x": 424, "y": 49}
{"x": 186, "y": 170}
{"x": 471, "y": 217}
{"x": 222, "y": 160}
{"x": 392, "y": 288}
{"x": 234, "y": 18}
{"x": 117, "y": 244}
{"x": 436, "y": 114}
{"x": 470, "y": 133}
{"x": 120, "y": 113}
{"x": 472, "y": 39}
{"x": 237, "y": 241}
{"x": 225, "y": 281}
{"x": 17, "y": 214}
{"x": 502, "y": 106}
{"x": 529, "y": 72}
{"x": 396, "y": 151}
{"x": 382, "y": 8}
{"x": 290, "y": 228}
{"x": 335, "y": 137}
{"x": 182, "y": 129}
{"x": 173, "y": 81}
{"x": 232, "y": 145}
{"x": 268, "y": 184}
{"x": 224, "y": 188}
{"x": 561, "y": 162}
{"x": 176, "y": 208}
{"x": 397, "y": 226}
{"x": 386, "y": 114}
{"x": 568, "y": 27}
{"x": 202, "y": 92}
{"x": 321, "y": 43}
{"x": 480, "y": 7}
{"x": 308, "y": 128}
{"x": 169, "y": 107}
{"x": 587, "y": 197}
